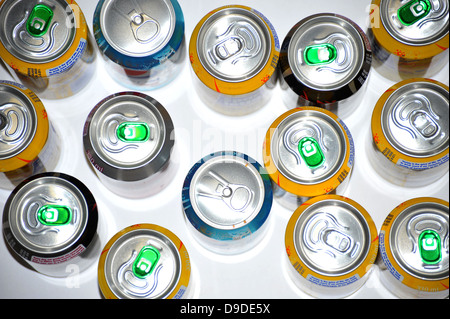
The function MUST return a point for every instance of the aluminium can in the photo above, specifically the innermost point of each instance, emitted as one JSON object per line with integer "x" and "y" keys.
{"x": 410, "y": 130}
{"x": 234, "y": 52}
{"x": 145, "y": 261}
{"x": 409, "y": 38}
{"x": 128, "y": 139}
{"x": 413, "y": 254}
{"x": 331, "y": 244}
{"x": 325, "y": 60}
{"x": 142, "y": 41}
{"x": 308, "y": 151}
{"x": 50, "y": 221}
{"x": 227, "y": 198}
{"x": 29, "y": 144}
{"x": 47, "y": 46}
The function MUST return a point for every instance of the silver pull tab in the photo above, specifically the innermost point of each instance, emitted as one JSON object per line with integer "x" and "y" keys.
{"x": 144, "y": 27}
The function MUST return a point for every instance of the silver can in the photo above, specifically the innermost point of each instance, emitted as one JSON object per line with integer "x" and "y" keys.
{"x": 410, "y": 130}
{"x": 47, "y": 46}
{"x": 234, "y": 52}
{"x": 50, "y": 220}
{"x": 409, "y": 38}
{"x": 128, "y": 139}
{"x": 413, "y": 255}
{"x": 145, "y": 261}
{"x": 308, "y": 152}
{"x": 227, "y": 199}
{"x": 325, "y": 61}
{"x": 28, "y": 142}
{"x": 331, "y": 244}
{"x": 141, "y": 41}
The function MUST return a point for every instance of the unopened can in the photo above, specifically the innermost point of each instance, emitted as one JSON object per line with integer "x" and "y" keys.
{"x": 409, "y": 38}
{"x": 142, "y": 41}
{"x": 47, "y": 45}
{"x": 234, "y": 52}
{"x": 50, "y": 220}
{"x": 413, "y": 255}
{"x": 227, "y": 199}
{"x": 28, "y": 143}
{"x": 410, "y": 129}
{"x": 331, "y": 243}
{"x": 325, "y": 61}
{"x": 307, "y": 152}
{"x": 128, "y": 139}
{"x": 145, "y": 261}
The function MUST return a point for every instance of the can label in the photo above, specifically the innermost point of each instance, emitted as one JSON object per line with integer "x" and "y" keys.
{"x": 71, "y": 61}
{"x": 60, "y": 259}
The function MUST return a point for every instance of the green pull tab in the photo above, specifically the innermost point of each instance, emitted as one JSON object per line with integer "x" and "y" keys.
{"x": 39, "y": 20}
{"x": 54, "y": 215}
{"x": 311, "y": 152}
{"x": 146, "y": 261}
{"x": 430, "y": 247}
{"x": 133, "y": 132}
{"x": 413, "y": 11}
{"x": 320, "y": 54}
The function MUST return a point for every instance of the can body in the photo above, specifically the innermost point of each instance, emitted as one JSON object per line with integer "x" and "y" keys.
{"x": 234, "y": 52}
{"x": 331, "y": 243}
{"x": 128, "y": 139}
{"x": 50, "y": 220}
{"x": 227, "y": 199}
{"x": 48, "y": 47}
{"x": 28, "y": 143}
{"x": 413, "y": 253}
{"x": 325, "y": 60}
{"x": 307, "y": 152}
{"x": 410, "y": 131}
{"x": 145, "y": 261}
{"x": 142, "y": 41}
{"x": 410, "y": 39}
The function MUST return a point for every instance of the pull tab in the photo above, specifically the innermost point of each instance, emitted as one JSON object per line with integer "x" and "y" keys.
{"x": 311, "y": 152}
{"x": 144, "y": 28}
{"x": 413, "y": 11}
{"x": 320, "y": 54}
{"x": 146, "y": 261}
{"x": 424, "y": 124}
{"x": 54, "y": 215}
{"x": 430, "y": 247}
{"x": 133, "y": 132}
{"x": 39, "y": 20}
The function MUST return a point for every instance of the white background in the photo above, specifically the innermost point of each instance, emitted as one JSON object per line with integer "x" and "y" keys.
{"x": 260, "y": 273}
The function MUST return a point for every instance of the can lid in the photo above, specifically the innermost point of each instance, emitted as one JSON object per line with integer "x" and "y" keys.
{"x": 129, "y": 134}
{"x": 37, "y": 32}
{"x": 416, "y": 22}
{"x": 143, "y": 261}
{"x": 414, "y": 118}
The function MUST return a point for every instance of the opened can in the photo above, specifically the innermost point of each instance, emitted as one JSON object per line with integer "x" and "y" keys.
{"x": 307, "y": 152}
{"x": 145, "y": 261}
{"x": 227, "y": 199}
{"x": 331, "y": 243}
{"x": 409, "y": 38}
{"x": 410, "y": 129}
{"x": 325, "y": 61}
{"x": 128, "y": 139}
{"x": 414, "y": 249}
{"x": 28, "y": 143}
{"x": 234, "y": 52}
{"x": 50, "y": 220}
{"x": 47, "y": 45}
{"x": 142, "y": 41}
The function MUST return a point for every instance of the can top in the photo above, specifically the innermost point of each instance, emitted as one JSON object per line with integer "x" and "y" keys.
{"x": 137, "y": 28}
{"x": 47, "y": 214}
{"x": 234, "y": 44}
{"x": 326, "y": 52}
{"x": 418, "y": 238}
{"x": 332, "y": 236}
{"x": 129, "y": 134}
{"x": 37, "y": 31}
{"x": 18, "y": 121}
{"x": 142, "y": 263}
{"x": 416, "y": 22}
{"x": 414, "y": 119}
